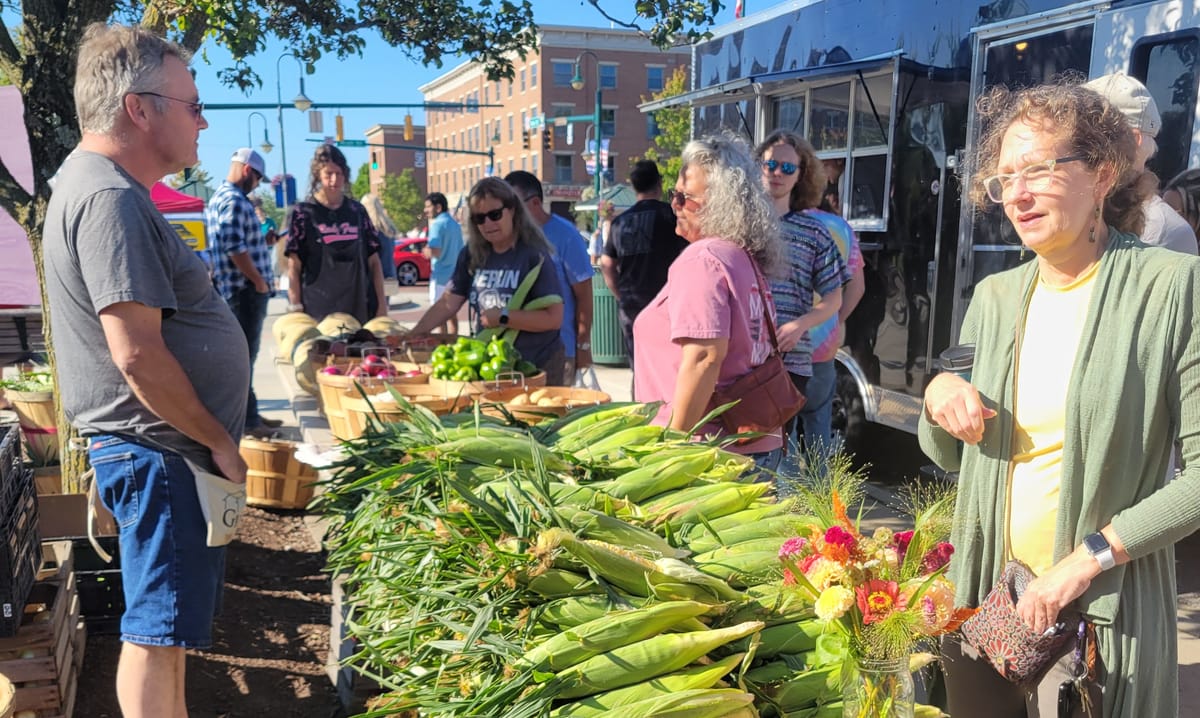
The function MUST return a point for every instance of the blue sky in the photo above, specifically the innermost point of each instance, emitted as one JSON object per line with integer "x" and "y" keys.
{"x": 381, "y": 74}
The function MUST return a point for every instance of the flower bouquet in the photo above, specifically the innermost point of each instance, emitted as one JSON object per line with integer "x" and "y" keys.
{"x": 884, "y": 596}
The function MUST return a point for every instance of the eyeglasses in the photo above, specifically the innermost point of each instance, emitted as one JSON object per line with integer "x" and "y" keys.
{"x": 682, "y": 198}
{"x": 494, "y": 215}
{"x": 1036, "y": 177}
{"x": 197, "y": 108}
{"x": 786, "y": 167}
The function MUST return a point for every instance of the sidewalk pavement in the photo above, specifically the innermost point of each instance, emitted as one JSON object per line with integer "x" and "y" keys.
{"x": 280, "y": 397}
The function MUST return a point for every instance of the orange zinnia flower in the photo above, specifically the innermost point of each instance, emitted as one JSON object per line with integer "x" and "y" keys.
{"x": 877, "y": 599}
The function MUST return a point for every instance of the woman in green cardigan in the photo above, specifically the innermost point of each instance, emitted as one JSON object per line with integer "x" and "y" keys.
{"x": 1063, "y": 436}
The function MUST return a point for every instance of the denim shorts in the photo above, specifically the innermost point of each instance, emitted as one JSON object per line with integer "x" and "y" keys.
{"x": 172, "y": 578}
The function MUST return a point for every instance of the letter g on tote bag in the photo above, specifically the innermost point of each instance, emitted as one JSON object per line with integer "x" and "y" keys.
{"x": 222, "y": 502}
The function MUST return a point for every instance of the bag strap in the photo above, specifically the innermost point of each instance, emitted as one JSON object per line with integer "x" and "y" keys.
{"x": 763, "y": 293}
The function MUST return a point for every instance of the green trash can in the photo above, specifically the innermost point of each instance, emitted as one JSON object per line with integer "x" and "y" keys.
{"x": 608, "y": 341}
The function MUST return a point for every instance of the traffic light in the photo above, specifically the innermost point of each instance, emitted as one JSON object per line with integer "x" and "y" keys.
{"x": 408, "y": 128}
{"x": 547, "y": 139}
{"x": 374, "y": 160}
{"x": 340, "y": 132}
{"x": 525, "y": 140}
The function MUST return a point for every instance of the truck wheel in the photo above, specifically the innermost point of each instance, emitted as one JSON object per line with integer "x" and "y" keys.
{"x": 849, "y": 417}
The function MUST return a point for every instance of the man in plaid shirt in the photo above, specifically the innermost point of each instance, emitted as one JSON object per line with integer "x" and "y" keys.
{"x": 242, "y": 261}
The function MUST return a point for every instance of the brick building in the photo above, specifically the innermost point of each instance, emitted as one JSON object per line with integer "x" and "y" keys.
{"x": 391, "y": 160}
{"x": 630, "y": 70}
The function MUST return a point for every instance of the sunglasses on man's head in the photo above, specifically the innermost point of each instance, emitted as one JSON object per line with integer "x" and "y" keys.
{"x": 786, "y": 167}
{"x": 494, "y": 215}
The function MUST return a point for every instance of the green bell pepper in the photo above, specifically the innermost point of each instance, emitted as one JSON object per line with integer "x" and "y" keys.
{"x": 486, "y": 372}
{"x": 443, "y": 371}
{"x": 472, "y": 358}
{"x": 465, "y": 373}
{"x": 466, "y": 344}
{"x": 443, "y": 353}
{"x": 501, "y": 349}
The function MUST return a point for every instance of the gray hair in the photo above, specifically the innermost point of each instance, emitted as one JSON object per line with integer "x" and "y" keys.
{"x": 736, "y": 207}
{"x": 115, "y": 61}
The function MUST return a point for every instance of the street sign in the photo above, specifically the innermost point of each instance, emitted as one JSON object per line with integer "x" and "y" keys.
{"x": 352, "y": 143}
{"x": 536, "y": 121}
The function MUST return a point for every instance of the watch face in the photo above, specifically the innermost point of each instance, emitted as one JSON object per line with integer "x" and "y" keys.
{"x": 1095, "y": 543}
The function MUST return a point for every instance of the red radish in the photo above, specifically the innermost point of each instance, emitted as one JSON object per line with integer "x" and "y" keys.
{"x": 359, "y": 371}
{"x": 373, "y": 359}
{"x": 414, "y": 372}
{"x": 385, "y": 373}
{"x": 332, "y": 370}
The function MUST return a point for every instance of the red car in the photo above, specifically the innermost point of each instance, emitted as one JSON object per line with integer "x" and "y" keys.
{"x": 411, "y": 265}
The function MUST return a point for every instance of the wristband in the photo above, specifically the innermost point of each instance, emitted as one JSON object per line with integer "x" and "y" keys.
{"x": 295, "y": 307}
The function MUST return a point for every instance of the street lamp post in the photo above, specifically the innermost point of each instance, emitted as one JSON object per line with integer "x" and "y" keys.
{"x": 266, "y": 143}
{"x": 577, "y": 84}
{"x": 301, "y": 102}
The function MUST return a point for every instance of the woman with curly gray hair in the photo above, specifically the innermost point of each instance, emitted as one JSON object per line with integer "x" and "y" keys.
{"x": 1086, "y": 360}
{"x": 705, "y": 328}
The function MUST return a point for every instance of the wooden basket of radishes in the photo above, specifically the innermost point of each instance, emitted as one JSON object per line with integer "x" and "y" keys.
{"x": 371, "y": 371}
{"x": 378, "y": 404}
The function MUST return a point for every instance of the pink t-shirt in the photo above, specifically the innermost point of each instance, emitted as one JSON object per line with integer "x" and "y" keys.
{"x": 712, "y": 292}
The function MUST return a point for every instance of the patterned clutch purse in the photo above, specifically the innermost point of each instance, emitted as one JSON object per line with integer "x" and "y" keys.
{"x": 1016, "y": 651}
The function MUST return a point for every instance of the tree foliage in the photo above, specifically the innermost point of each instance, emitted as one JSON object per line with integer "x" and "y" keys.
{"x": 675, "y": 126}
{"x": 403, "y": 200}
{"x": 362, "y": 181}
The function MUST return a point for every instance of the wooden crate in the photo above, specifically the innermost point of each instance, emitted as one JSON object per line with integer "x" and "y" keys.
{"x": 44, "y": 658}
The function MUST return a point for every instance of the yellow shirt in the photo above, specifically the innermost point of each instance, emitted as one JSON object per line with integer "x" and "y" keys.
{"x": 1049, "y": 343}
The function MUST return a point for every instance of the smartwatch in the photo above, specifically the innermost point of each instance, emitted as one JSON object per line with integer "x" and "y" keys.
{"x": 504, "y": 316}
{"x": 1100, "y": 550}
{"x": 584, "y": 346}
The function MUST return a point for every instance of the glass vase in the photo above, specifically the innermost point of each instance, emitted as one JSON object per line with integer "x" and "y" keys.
{"x": 879, "y": 689}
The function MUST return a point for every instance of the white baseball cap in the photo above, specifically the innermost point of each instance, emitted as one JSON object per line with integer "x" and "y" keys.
{"x": 249, "y": 157}
{"x": 1132, "y": 99}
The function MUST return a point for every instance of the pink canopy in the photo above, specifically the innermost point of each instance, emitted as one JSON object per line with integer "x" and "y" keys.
{"x": 18, "y": 280}
{"x": 168, "y": 200}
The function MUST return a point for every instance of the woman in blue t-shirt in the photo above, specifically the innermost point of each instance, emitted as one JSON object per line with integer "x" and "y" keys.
{"x": 503, "y": 246}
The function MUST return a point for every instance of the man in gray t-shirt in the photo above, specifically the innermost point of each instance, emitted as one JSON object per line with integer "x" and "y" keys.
{"x": 152, "y": 366}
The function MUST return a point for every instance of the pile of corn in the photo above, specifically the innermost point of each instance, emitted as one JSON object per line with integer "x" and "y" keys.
{"x": 592, "y": 565}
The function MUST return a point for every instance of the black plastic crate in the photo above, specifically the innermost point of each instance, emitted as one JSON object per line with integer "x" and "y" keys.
{"x": 12, "y": 472}
{"x": 101, "y": 600}
{"x": 20, "y": 559}
{"x": 86, "y": 558}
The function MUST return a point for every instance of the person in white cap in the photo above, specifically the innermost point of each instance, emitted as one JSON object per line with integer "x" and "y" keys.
{"x": 1164, "y": 227}
{"x": 242, "y": 261}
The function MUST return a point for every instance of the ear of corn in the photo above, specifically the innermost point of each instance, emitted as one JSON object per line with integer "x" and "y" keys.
{"x": 662, "y": 476}
{"x": 745, "y": 517}
{"x": 516, "y": 301}
{"x": 504, "y": 451}
{"x": 577, "y": 610}
{"x": 779, "y": 528}
{"x": 745, "y": 569}
{"x": 606, "y": 633}
{"x": 558, "y": 583}
{"x": 672, "y": 572}
{"x": 785, "y": 639}
{"x": 775, "y": 671}
{"x": 804, "y": 689}
{"x": 580, "y": 419}
{"x": 732, "y": 498}
{"x": 616, "y": 444}
{"x": 696, "y": 703}
{"x": 722, "y": 553}
{"x": 620, "y": 567}
{"x": 672, "y": 500}
{"x": 602, "y": 424}
{"x": 596, "y": 525}
{"x": 542, "y": 302}
{"x": 691, "y": 678}
{"x": 771, "y": 603}
{"x": 580, "y": 497}
{"x": 645, "y": 659}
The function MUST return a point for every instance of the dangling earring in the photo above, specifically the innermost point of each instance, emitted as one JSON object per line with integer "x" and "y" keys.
{"x": 1092, "y": 232}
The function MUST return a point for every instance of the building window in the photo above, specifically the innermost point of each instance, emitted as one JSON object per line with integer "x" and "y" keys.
{"x": 608, "y": 77}
{"x": 652, "y": 129}
{"x": 654, "y": 78}
{"x": 563, "y": 171}
{"x": 522, "y": 76}
{"x": 510, "y": 84}
{"x": 533, "y": 75}
{"x": 608, "y": 122}
{"x": 485, "y": 95}
{"x": 511, "y": 134}
{"x": 789, "y": 113}
{"x": 561, "y": 110}
{"x": 563, "y": 72}
{"x": 535, "y": 165}
{"x": 524, "y": 122}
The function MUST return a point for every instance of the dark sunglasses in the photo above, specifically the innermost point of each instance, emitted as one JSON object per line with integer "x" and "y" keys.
{"x": 786, "y": 167}
{"x": 197, "y": 108}
{"x": 494, "y": 215}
